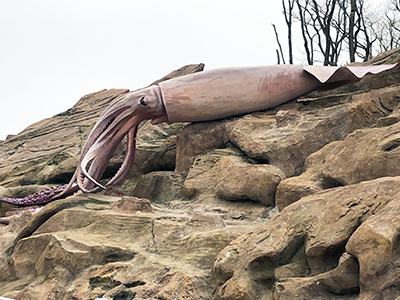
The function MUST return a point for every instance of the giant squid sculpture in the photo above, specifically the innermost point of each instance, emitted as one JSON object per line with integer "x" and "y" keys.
{"x": 203, "y": 96}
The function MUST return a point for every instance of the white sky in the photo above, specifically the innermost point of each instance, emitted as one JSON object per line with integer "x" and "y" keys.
{"x": 53, "y": 52}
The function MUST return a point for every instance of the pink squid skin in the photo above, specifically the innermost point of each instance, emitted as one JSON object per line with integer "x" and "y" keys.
{"x": 203, "y": 96}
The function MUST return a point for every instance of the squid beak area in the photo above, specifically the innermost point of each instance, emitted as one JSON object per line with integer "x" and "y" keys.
{"x": 95, "y": 159}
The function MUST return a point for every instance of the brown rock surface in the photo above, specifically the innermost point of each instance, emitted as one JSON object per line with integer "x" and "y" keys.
{"x": 206, "y": 232}
{"x": 376, "y": 246}
{"x": 308, "y": 238}
{"x": 100, "y": 246}
{"x": 231, "y": 177}
{"x": 161, "y": 187}
{"x": 364, "y": 154}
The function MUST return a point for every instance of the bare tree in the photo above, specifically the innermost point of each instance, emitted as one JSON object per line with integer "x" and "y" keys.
{"x": 279, "y": 52}
{"x": 389, "y": 34}
{"x": 288, "y": 13}
{"x": 306, "y": 23}
{"x": 357, "y": 33}
{"x": 330, "y": 26}
{"x": 324, "y": 24}
{"x": 363, "y": 38}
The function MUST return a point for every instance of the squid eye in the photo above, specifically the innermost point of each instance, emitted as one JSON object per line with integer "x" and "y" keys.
{"x": 142, "y": 101}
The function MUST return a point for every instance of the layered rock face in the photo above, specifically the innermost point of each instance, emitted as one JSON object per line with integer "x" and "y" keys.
{"x": 298, "y": 202}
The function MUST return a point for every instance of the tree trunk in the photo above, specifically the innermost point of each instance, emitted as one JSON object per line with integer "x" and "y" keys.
{"x": 352, "y": 44}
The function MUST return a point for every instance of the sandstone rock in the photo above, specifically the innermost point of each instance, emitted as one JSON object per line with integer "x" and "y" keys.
{"x": 343, "y": 280}
{"x": 123, "y": 281}
{"x": 79, "y": 247}
{"x": 315, "y": 228}
{"x": 288, "y": 138}
{"x": 239, "y": 180}
{"x": 305, "y": 131}
{"x": 376, "y": 246}
{"x": 131, "y": 205}
{"x": 391, "y": 119}
{"x": 162, "y": 159}
{"x": 155, "y": 148}
{"x": 379, "y": 156}
{"x": 202, "y": 176}
{"x": 292, "y": 189}
{"x": 364, "y": 155}
{"x": 189, "y": 69}
{"x": 197, "y": 138}
{"x": 227, "y": 175}
{"x": 9, "y": 136}
{"x": 161, "y": 187}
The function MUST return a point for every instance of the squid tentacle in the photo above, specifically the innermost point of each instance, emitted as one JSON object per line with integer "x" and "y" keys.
{"x": 128, "y": 161}
{"x": 41, "y": 197}
{"x": 122, "y": 171}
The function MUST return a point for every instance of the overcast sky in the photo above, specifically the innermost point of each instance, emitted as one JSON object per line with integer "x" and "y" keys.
{"x": 53, "y": 52}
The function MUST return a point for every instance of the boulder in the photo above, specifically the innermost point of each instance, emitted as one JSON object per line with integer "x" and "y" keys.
{"x": 240, "y": 180}
{"x": 227, "y": 175}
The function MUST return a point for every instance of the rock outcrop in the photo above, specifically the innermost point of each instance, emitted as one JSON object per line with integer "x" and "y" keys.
{"x": 300, "y": 252}
{"x": 198, "y": 217}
